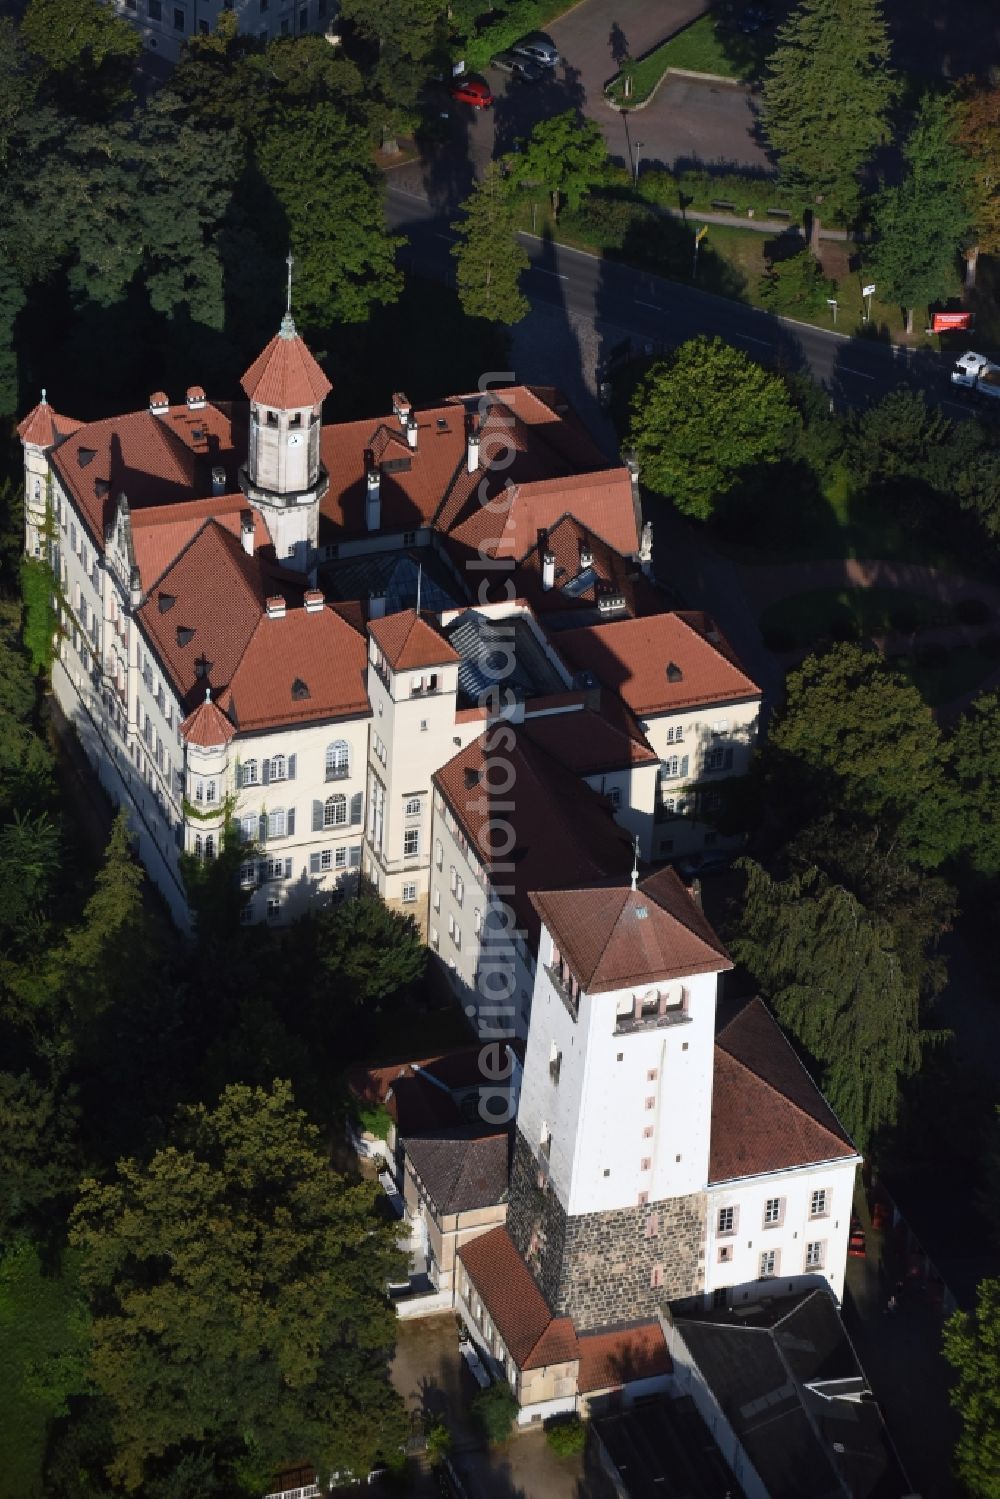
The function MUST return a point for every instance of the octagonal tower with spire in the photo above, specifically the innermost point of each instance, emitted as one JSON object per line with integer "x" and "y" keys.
{"x": 283, "y": 476}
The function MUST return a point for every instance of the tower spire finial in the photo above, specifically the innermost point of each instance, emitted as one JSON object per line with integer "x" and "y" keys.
{"x": 45, "y": 396}
{"x": 635, "y": 865}
{"x": 420, "y": 574}
{"x": 287, "y": 329}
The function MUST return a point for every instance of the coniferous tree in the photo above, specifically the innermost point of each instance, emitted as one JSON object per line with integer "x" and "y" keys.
{"x": 826, "y": 99}
{"x": 490, "y": 257}
{"x": 972, "y": 1347}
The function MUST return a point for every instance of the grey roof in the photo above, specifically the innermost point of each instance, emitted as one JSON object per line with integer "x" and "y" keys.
{"x": 395, "y": 575}
{"x": 459, "y": 1171}
{"x": 787, "y": 1377}
{"x": 489, "y": 648}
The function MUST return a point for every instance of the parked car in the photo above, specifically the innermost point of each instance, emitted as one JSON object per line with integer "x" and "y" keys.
{"x": 539, "y": 48}
{"x": 472, "y": 90}
{"x": 517, "y": 66}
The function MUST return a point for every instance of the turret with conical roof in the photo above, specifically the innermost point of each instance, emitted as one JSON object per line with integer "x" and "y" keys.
{"x": 283, "y": 476}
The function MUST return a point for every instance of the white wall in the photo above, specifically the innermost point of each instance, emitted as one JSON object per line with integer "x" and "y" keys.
{"x": 751, "y": 1236}
{"x": 163, "y": 37}
{"x": 695, "y": 736}
{"x": 599, "y": 1113}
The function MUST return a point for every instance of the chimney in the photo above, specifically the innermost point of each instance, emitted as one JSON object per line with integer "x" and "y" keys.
{"x": 313, "y": 600}
{"x": 195, "y": 397}
{"x": 247, "y": 531}
{"x": 632, "y": 464}
{"x": 159, "y": 403}
{"x": 401, "y": 407}
{"x": 548, "y": 569}
{"x": 373, "y": 499}
{"x": 218, "y": 479}
{"x": 646, "y": 548}
{"x": 471, "y": 443}
{"x": 376, "y": 605}
{"x": 135, "y": 588}
{"x": 276, "y": 607}
{"x": 411, "y": 430}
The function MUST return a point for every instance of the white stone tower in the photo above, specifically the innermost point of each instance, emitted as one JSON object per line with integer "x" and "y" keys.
{"x": 608, "y": 1192}
{"x": 283, "y": 476}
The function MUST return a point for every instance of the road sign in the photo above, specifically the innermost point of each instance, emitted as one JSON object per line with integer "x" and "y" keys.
{"x": 868, "y": 291}
{"x": 701, "y": 234}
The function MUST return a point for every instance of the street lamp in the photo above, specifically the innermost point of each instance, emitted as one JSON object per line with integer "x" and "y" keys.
{"x": 636, "y": 148}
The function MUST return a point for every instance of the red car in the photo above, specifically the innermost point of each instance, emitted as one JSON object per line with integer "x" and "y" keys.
{"x": 474, "y": 91}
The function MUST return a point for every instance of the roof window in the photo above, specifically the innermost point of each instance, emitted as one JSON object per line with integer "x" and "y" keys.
{"x": 300, "y": 690}
{"x": 674, "y": 673}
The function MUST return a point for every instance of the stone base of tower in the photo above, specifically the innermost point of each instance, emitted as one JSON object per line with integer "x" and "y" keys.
{"x": 603, "y": 1268}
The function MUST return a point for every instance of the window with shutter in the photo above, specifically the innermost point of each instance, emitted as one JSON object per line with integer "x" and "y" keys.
{"x": 290, "y": 821}
{"x": 317, "y": 817}
{"x": 291, "y": 767}
{"x": 357, "y": 802}
{"x": 262, "y": 828}
{"x": 335, "y": 811}
{"x": 684, "y": 765}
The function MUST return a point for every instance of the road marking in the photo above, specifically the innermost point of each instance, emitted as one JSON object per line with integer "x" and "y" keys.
{"x": 858, "y": 374}
{"x": 546, "y": 272}
{"x": 437, "y": 235}
{"x": 749, "y": 338}
{"x": 655, "y": 305}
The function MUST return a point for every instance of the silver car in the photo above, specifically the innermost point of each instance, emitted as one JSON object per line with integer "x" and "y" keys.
{"x": 517, "y": 65}
{"x": 538, "y": 48}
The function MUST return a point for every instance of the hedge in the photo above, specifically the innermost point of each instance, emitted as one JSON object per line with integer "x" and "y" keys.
{"x": 478, "y": 45}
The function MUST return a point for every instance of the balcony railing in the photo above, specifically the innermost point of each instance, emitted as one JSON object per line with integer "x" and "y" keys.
{"x": 627, "y": 1025}
{"x": 561, "y": 988}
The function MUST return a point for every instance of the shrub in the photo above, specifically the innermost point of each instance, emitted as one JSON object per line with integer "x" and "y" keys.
{"x": 40, "y": 620}
{"x": 495, "y": 1410}
{"x": 438, "y": 1442}
{"x": 480, "y": 43}
{"x": 796, "y": 285}
{"x": 699, "y": 189}
{"x": 972, "y": 612}
{"x": 566, "y": 1435}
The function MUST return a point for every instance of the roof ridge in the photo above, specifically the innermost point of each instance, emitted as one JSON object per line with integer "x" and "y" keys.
{"x": 776, "y": 1090}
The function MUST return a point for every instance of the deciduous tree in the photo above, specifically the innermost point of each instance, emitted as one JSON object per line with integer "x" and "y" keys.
{"x": 566, "y": 155}
{"x": 923, "y": 222}
{"x": 972, "y": 1347}
{"x": 706, "y": 419}
{"x": 977, "y": 134}
{"x": 834, "y": 974}
{"x": 826, "y": 98}
{"x": 490, "y": 257}
{"x": 238, "y": 1291}
{"x": 88, "y": 49}
{"x": 855, "y": 733}
{"x": 975, "y": 757}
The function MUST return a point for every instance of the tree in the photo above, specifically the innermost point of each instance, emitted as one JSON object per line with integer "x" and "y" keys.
{"x": 972, "y": 1347}
{"x": 977, "y": 134}
{"x": 494, "y": 1410}
{"x": 312, "y": 157}
{"x": 796, "y": 285}
{"x": 898, "y": 438}
{"x": 237, "y": 1286}
{"x": 29, "y": 864}
{"x": 371, "y": 951}
{"x": 90, "y": 51}
{"x": 975, "y": 757}
{"x": 855, "y": 733}
{"x": 567, "y": 155}
{"x": 490, "y": 257}
{"x": 706, "y": 419}
{"x": 826, "y": 98}
{"x": 923, "y": 222}
{"x": 38, "y": 1146}
{"x": 833, "y": 972}
{"x": 411, "y": 38}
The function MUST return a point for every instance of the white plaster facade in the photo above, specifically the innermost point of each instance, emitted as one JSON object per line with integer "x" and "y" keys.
{"x": 622, "y": 1107}
{"x": 698, "y": 749}
{"x": 165, "y": 25}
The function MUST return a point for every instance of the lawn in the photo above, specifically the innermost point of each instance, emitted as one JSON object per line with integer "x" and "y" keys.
{"x": 842, "y": 613}
{"x": 44, "y": 1336}
{"x": 696, "y": 48}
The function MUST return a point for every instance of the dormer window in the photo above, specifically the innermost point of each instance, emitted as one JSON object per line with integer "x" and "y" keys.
{"x": 674, "y": 673}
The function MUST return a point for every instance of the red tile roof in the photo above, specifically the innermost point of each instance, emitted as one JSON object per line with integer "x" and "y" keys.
{"x": 302, "y": 667}
{"x": 45, "y": 428}
{"x": 614, "y": 937}
{"x": 286, "y": 375}
{"x": 161, "y": 532}
{"x": 767, "y": 1113}
{"x": 558, "y": 823}
{"x": 153, "y": 460}
{"x": 408, "y": 642}
{"x": 590, "y": 743}
{"x": 203, "y": 612}
{"x": 520, "y": 1312}
{"x": 610, "y": 574}
{"x": 632, "y": 657}
{"x": 618, "y": 1356}
{"x": 207, "y": 726}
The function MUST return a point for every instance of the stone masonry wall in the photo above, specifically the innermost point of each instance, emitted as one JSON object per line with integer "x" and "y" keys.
{"x": 600, "y": 1268}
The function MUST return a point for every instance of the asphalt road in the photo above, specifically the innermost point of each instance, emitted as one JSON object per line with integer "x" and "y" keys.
{"x": 624, "y": 302}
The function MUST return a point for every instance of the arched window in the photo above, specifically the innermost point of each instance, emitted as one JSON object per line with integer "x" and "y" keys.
{"x": 276, "y": 823}
{"x": 197, "y": 845}
{"x": 335, "y": 811}
{"x": 199, "y": 791}
{"x": 338, "y": 760}
{"x": 278, "y": 768}
{"x": 210, "y": 847}
{"x": 249, "y": 772}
